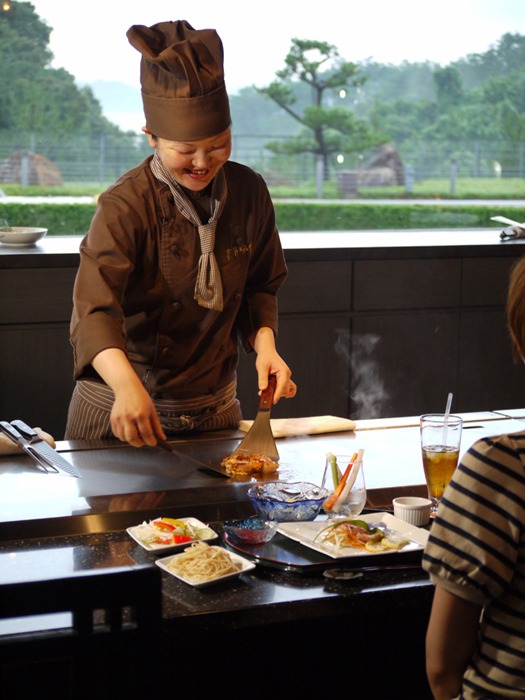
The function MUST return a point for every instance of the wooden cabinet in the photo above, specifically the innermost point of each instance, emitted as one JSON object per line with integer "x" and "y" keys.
{"x": 390, "y": 332}
{"x": 403, "y": 363}
{"x": 315, "y": 346}
{"x": 314, "y": 327}
{"x": 370, "y": 329}
{"x": 407, "y": 284}
{"x": 36, "y": 362}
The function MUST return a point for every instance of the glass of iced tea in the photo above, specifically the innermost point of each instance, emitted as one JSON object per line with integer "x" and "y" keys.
{"x": 440, "y": 443}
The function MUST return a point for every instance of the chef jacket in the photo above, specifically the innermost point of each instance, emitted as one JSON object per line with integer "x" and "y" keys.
{"x": 135, "y": 283}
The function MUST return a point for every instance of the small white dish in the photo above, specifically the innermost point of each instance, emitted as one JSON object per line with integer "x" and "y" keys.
{"x": 412, "y": 510}
{"x": 243, "y": 564}
{"x": 135, "y": 532}
{"x": 21, "y": 236}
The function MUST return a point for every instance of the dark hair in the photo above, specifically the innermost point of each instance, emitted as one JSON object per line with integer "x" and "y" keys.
{"x": 516, "y": 308}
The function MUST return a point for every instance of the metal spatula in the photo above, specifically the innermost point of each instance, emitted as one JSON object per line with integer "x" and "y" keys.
{"x": 259, "y": 438}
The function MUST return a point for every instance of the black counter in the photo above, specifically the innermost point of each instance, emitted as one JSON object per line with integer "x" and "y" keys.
{"x": 301, "y": 629}
{"x": 294, "y": 628}
{"x": 62, "y": 251}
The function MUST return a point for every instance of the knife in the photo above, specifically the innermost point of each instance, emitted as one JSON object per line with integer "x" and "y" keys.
{"x": 15, "y": 437}
{"x": 165, "y": 445}
{"x": 37, "y": 447}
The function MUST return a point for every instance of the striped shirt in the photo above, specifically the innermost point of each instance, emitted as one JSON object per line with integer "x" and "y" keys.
{"x": 476, "y": 550}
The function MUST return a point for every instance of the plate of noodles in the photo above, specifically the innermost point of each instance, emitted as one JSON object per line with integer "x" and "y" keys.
{"x": 202, "y": 564}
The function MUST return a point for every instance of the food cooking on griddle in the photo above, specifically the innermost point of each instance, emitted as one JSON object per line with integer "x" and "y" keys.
{"x": 237, "y": 464}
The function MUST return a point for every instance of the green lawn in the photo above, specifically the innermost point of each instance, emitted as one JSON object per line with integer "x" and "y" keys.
{"x": 465, "y": 188}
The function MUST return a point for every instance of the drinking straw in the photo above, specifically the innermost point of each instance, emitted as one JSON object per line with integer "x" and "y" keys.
{"x": 447, "y": 414}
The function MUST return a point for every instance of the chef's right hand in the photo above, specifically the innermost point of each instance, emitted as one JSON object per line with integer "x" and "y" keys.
{"x": 134, "y": 418}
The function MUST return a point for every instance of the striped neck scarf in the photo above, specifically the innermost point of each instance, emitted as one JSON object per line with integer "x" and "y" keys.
{"x": 208, "y": 288}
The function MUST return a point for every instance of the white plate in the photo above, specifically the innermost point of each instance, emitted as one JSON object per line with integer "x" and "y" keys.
{"x": 21, "y": 236}
{"x": 154, "y": 547}
{"x": 305, "y": 533}
{"x": 244, "y": 564}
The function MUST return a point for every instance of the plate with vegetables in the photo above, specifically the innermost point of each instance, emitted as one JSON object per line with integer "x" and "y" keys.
{"x": 365, "y": 535}
{"x": 170, "y": 534}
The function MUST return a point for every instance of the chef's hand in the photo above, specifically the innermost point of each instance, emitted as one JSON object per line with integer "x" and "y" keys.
{"x": 270, "y": 362}
{"x": 133, "y": 416}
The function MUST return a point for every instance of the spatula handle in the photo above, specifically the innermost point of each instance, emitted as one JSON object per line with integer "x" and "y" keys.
{"x": 265, "y": 402}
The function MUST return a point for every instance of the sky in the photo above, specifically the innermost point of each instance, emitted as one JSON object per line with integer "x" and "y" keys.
{"x": 92, "y": 44}
{"x": 89, "y": 38}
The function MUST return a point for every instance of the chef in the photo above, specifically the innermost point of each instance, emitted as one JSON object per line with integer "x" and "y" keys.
{"x": 182, "y": 262}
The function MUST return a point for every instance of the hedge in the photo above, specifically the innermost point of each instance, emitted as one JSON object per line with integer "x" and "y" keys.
{"x": 59, "y": 219}
{"x": 344, "y": 217}
{"x": 73, "y": 219}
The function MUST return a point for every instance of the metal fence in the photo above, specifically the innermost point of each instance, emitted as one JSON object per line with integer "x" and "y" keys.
{"x": 101, "y": 159}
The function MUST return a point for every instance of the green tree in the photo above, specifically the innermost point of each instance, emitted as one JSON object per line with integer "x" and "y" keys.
{"x": 504, "y": 57}
{"x": 326, "y": 128}
{"x": 35, "y": 96}
{"x": 387, "y": 83}
{"x": 23, "y": 52}
{"x": 449, "y": 89}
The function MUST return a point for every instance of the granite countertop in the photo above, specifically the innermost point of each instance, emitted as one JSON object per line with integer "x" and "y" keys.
{"x": 76, "y": 525}
{"x": 258, "y": 595}
{"x": 307, "y": 633}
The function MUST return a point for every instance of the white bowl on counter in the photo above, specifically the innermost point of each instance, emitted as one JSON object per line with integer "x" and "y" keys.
{"x": 21, "y": 236}
{"x": 412, "y": 509}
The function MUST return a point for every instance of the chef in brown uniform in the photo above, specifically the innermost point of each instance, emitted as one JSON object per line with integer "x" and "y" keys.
{"x": 182, "y": 259}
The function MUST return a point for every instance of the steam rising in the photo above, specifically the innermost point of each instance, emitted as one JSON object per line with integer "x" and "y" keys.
{"x": 368, "y": 388}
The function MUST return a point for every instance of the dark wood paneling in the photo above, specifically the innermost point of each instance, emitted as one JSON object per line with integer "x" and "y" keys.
{"x": 403, "y": 364}
{"x": 406, "y": 284}
{"x": 488, "y": 377}
{"x": 319, "y": 286}
{"x": 36, "y": 295}
{"x": 316, "y": 348}
{"x": 36, "y": 375}
{"x": 364, "y": 337}
{"x": 485, "y": 281}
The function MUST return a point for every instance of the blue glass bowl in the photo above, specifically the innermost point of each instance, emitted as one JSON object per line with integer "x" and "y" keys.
{"x": 287, "y": 501}
{"x": 252, "y": 530}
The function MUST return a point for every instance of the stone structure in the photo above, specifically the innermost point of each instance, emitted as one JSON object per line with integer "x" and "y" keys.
{"x": 383, "y": 170}
{"x": 28, "y": 168}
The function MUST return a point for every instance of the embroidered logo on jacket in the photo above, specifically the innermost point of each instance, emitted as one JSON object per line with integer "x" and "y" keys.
{"x": 237, "y": 250}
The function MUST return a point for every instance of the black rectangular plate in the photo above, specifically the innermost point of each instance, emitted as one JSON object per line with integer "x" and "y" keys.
{"x": 283, "y": 553}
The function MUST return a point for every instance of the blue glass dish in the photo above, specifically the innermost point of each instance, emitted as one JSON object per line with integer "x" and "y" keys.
{"x": 287, "y": 501}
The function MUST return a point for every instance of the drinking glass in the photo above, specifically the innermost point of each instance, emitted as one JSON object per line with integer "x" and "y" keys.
{"x": 440, "y": 443}
{"x": 353, "y": 499}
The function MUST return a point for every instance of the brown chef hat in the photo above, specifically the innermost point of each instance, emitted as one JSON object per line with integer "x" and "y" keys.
{"x": 182, "y": 78}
